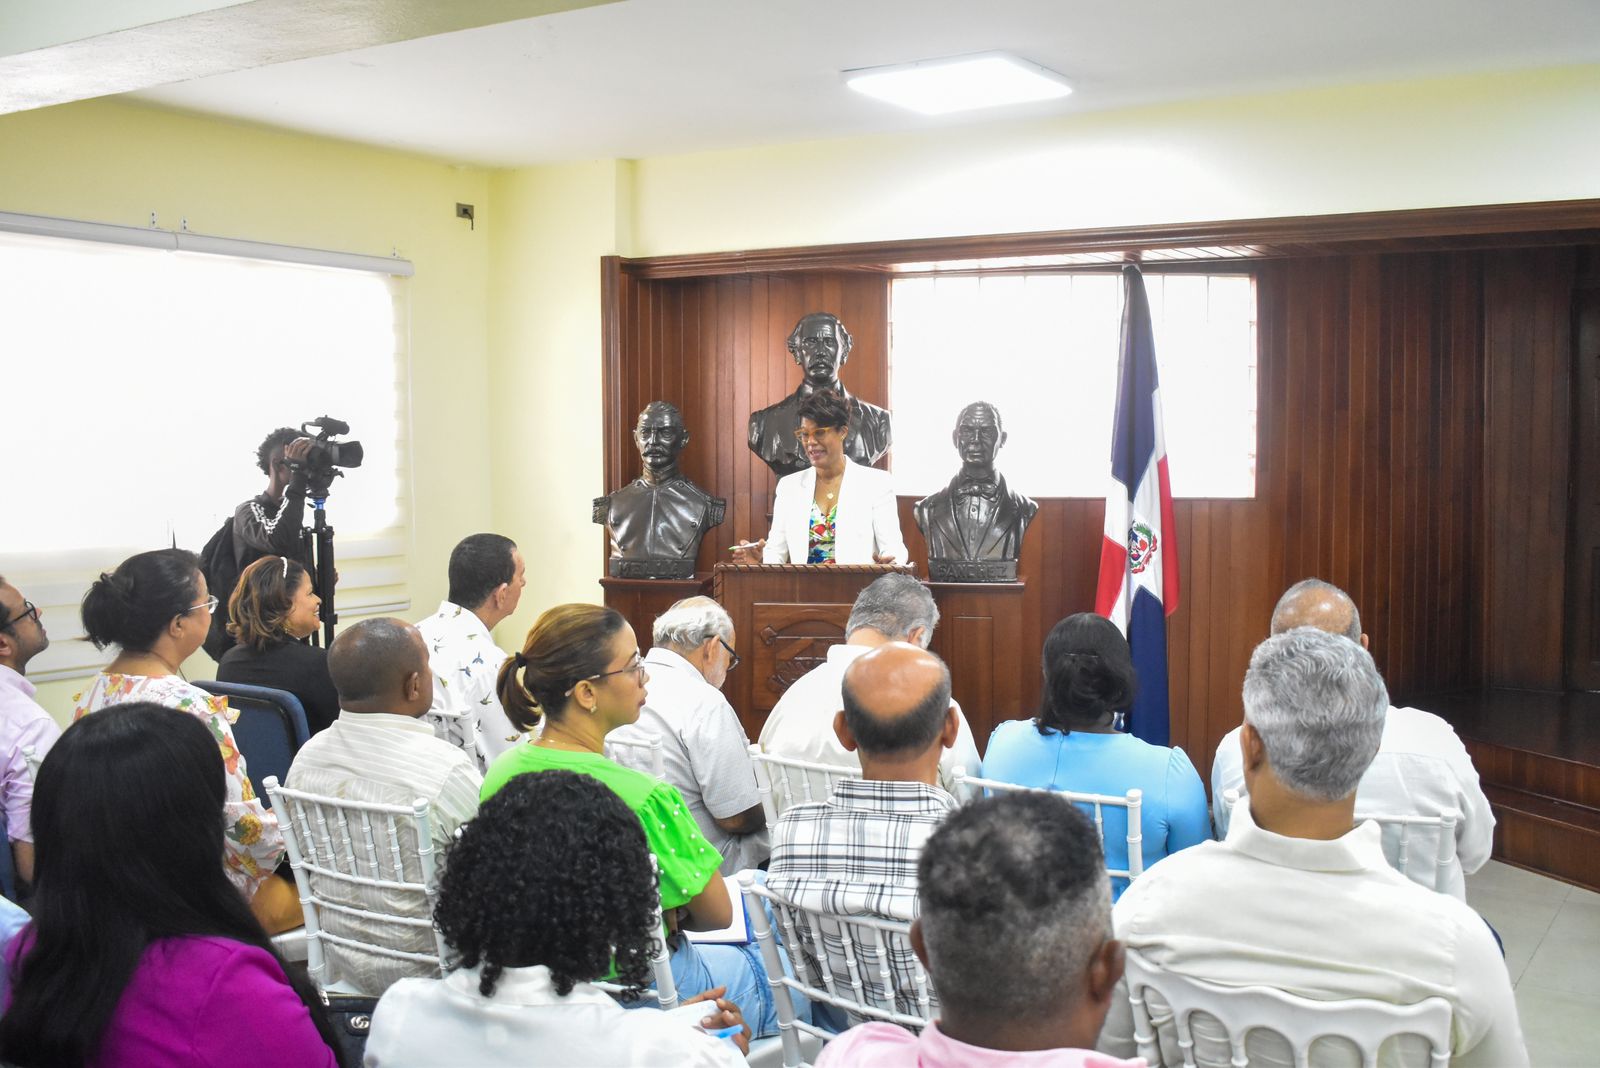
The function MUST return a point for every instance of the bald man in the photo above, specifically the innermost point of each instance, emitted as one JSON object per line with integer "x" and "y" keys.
{"x": 856, "y": 853}
{"x": 380, "y": 750}
{"x": 1421, "y": 769}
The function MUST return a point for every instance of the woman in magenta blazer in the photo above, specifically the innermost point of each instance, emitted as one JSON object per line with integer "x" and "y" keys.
{"x": 141, "y": 952}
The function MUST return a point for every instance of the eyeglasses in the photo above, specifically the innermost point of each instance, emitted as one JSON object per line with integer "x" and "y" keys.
{"x": 733, "y": 657}
{"x": 634, "y": 664}
{"x": 209, "y": 604}
{"x": 28, "y": 609}
{"x": 805, "y": 436}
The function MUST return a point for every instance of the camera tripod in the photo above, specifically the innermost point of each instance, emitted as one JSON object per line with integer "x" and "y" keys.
{"x": 316, "y": 541}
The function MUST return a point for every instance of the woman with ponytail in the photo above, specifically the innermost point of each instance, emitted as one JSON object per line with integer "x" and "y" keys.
{"x": 156, "y": 610}
{"x": 1074, "y": 744}
{"x": 579, "y": 676}
{"x": 141, "y": 952}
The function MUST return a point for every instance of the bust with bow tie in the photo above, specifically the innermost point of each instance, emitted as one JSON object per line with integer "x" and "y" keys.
{"x": 974, "y": 526}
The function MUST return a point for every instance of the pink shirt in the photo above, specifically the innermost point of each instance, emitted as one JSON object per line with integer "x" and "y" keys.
{"x": 22, "y": 723}
{"x": 207, "y": 1002}
{"x": 883, "y": 1045}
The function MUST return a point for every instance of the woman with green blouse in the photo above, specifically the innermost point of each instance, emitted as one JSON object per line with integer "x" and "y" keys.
{"x": 580, "y": 674}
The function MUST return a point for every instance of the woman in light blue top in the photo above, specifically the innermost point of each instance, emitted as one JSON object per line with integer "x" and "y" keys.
{"x": 1072, "y": 745}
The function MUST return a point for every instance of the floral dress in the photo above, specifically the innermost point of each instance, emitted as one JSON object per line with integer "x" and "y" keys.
{"x": 252, "y": 843}
{"x": 819, "y": 549}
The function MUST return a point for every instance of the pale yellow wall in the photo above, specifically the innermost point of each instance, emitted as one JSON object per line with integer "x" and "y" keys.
{"x": 550, "y": 227}
{"x": 111, "y": 162}
{"x": 1481, "y": 140}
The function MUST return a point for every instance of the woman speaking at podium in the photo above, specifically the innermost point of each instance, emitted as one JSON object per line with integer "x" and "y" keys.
{"x": 836, "y": 511}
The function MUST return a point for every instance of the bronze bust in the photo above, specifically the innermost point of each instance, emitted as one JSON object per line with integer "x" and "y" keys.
{"x": 974, "y": 526}
{"x": 820, "y": 345}
{"x": 657, "y": 520}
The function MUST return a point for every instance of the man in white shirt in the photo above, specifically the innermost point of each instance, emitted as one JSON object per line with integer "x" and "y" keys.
{"x": 23, "y": 722}
{"x": 1421, "y": 769}
{"x": 379, "y": 750}
{"x": 704, "y": 750}
{"x": 895, "y": 608}
{"x": 1299, "y": 899}
{"x": 486, "y": 580}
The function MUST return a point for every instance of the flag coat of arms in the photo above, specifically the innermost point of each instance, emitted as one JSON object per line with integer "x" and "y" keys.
{"x": 1138, "y": 585}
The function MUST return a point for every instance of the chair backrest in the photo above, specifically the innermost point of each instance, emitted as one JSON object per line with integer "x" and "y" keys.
{"x": 970, "y": 786}
{"x": 1362, "y": 1024}
{"x": 270, "y": 729}
{"x": 642, "y": 753}
{"x": 1422, "y": 848}
{"x": 666, "y": 988}
{"x": 344, "y": 851}
{"x": 30, "y": 757}
{"x": 785, "y": 781}
{"x": 864, "y": 966}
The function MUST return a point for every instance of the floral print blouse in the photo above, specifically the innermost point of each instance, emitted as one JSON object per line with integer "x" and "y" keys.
{"x": 252, "y": 843}
{"x": 820, "y": 549}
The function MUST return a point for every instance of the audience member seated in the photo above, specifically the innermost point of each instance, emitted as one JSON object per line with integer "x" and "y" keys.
{"x": 894, "y": 608}
{"x": 1298, "y": 899}
{"x": 856, "y": 853}
{"x": 145, "y": 954}
{"x": 705, "y": 752}
{"x": 1015, "y": 933}
{"x": 534, "y": 918}
{"x": 1072, "y": 745}
{"x": 581, "y": 676}
{"x": 271, "y": 611}
{"x": 1421, "y": 769}
{"x": 486, "y": 580}
{"x": 154, "y": 607}
{"x": 23, "y": 722}
{"x": 379, "y": 751}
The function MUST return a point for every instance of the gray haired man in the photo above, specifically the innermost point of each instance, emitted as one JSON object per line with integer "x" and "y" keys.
{"x": 1421, "y": 769}
{"x": 894, "y": 608}
{"x": 1298, "y": 897}
{"x": 705, "y": 752}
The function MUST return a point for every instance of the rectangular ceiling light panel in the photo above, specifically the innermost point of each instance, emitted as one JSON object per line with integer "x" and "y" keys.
{"x": 959, "y": 83}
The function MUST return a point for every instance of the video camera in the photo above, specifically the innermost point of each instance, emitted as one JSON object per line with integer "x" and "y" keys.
{"x": 326, "y": 455}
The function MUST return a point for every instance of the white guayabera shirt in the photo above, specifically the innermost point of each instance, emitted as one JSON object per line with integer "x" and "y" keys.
{"x": 466, "y": 663}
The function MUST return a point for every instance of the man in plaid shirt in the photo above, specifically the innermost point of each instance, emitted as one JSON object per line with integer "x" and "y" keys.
{"x": 856, "y": 853}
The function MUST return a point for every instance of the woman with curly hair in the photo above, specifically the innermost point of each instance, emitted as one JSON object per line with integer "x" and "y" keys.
{"x": 534, "y": 919}
{"x": 1072, "y": 744}
{"x": 141, "y": 952}
{"x": 580, "y": 676}
{"x": 271, "y": 610}
{"x": 155, "y": 609}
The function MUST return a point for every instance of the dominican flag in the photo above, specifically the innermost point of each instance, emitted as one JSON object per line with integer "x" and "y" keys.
{"x": 1138, "y": 586}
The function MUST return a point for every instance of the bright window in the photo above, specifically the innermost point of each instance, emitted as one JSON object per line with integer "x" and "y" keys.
{"x": 1043, "y": 349}
{"x": 139, "y": 384}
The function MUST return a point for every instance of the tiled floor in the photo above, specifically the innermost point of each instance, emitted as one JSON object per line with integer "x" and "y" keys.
{"x": 1552, "y": 937}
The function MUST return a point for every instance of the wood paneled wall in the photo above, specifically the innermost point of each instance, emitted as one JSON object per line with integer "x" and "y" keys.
{"x": 1370, "y": 470}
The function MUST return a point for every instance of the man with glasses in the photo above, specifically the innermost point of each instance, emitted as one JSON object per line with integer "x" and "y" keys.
{"x": 23, "y": 722}
{"x": 705, "y": 752}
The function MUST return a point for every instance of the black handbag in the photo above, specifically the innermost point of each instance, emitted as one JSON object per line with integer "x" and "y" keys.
{"x": 351, "y": 1015}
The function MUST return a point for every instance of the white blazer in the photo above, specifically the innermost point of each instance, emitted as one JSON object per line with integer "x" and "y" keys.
{"x": 868, "y": 520}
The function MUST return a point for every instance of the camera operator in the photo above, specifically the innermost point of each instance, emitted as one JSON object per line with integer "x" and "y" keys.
{"x": 266, "y": 525}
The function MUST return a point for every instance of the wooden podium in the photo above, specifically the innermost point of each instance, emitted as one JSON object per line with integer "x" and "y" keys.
{"x": 787, "y": 615}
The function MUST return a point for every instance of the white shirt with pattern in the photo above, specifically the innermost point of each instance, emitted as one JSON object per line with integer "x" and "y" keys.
{"x": 252, "y": 845}
{"x": 391, "y": 760}
{"x": 1327, "y": 920}
{"x": 466, "y": 663}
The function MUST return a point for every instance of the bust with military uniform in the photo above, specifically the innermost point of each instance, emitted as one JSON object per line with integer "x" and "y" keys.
{"x": 657, "y": 520}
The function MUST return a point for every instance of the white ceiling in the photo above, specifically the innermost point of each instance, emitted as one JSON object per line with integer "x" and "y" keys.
{"x": 657, "y": 77}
